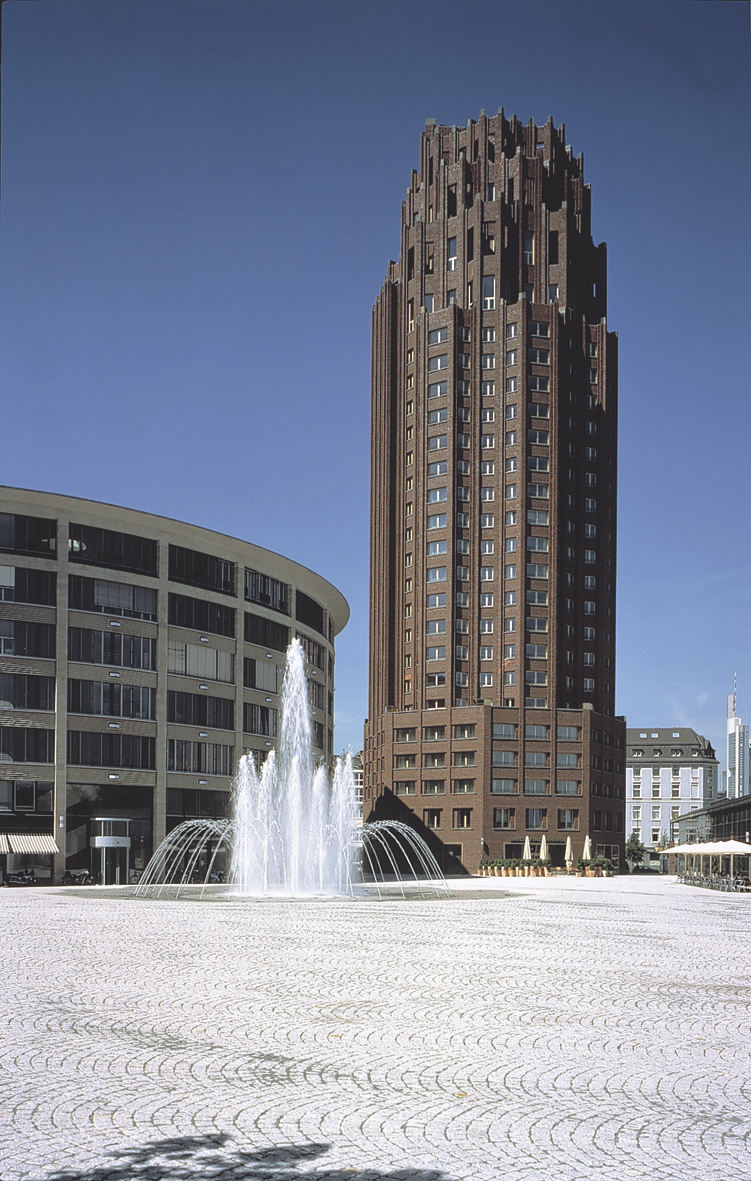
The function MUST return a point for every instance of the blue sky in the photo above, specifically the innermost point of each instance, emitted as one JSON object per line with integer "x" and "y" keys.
{"x": 199, "y": 201}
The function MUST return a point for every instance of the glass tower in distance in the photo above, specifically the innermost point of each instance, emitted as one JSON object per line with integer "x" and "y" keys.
{"x": 493, "y": 507}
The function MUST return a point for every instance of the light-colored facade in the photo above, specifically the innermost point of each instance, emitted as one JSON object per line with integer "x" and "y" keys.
{"x": 737, "y": 775}
{"x": 140, "y": 657}
{"x": 358, "y": 773}
{"x": 669, "y": 772}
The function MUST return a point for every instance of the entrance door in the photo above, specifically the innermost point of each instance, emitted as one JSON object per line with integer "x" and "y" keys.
{"x": 110, "y": 850}
{"x": 110, "y": 866}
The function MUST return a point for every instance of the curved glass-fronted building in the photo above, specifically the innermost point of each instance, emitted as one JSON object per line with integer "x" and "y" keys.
{"x": 140, "y": 657}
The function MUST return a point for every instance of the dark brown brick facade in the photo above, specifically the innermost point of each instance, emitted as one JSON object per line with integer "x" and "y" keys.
{"x": 493, "y": 491}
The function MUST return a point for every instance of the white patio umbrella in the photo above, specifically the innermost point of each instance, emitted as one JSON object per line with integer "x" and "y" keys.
{"x": 732, "y": 848}
{"x": 569, "y": 857}
{"x": 587, "y": 854}
{"x": 729, "y": 849}
{"x": 544, "y": 848}
{"x": 711, "y": 849}
{"x": 527, "y": 854}
{"x": 684, "y": 850}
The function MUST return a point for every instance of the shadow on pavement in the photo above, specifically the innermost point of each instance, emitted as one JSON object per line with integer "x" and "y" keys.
{"x": 217, "y": 1157}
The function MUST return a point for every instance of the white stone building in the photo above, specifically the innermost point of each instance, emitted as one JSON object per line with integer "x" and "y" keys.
{"x": 669, "y": 771}
{"x": 357, "y": 770}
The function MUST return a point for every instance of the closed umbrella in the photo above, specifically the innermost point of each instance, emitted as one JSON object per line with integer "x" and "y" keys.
{"x": 527, "y": 854}
{"x": 569, "y": 857}
{"x": 587, "y": 854}
{"x": 544, "y": 848}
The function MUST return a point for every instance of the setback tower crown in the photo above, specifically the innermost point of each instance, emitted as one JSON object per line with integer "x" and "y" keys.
{"x": 494, "y": 400}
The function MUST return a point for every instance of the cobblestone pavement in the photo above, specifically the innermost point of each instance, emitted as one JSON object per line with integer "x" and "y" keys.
{"x": 556, "y": 1028}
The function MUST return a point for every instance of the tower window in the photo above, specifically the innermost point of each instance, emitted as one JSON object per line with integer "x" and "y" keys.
{"x": 539, "y": 356}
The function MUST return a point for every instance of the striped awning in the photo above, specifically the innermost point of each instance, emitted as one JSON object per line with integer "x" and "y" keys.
{"x": 27, "y": 842}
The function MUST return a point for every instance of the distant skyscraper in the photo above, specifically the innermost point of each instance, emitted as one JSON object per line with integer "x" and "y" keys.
{"x": 493, "y": 528}
{"x": 738, "y": 753}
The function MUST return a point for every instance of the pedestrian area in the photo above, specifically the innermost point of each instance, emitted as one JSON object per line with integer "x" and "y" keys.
{"x": 559, "y": 1028}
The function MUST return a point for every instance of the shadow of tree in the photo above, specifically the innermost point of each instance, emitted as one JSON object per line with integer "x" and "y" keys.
{"x": 221, "y": 1159}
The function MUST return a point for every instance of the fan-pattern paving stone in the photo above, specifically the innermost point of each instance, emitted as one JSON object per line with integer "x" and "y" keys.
{"x": 553, "y": 1028}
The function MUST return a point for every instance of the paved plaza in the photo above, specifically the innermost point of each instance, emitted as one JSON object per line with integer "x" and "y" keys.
{"x": 564, "y": 1029}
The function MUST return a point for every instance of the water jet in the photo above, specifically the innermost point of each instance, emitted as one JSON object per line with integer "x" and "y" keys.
{"x": 294, "y": 832}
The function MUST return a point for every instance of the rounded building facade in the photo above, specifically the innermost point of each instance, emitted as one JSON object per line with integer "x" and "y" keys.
{"x": 140, "y": 657}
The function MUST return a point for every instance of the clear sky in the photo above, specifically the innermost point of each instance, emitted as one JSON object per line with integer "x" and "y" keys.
{"x": 199, "y": 201}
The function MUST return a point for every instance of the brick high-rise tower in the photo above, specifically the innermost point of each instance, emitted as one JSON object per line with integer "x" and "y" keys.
{"x": 493, "y": 529}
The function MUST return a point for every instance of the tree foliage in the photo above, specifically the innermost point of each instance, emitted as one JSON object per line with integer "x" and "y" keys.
{"x": 635, "y": 849}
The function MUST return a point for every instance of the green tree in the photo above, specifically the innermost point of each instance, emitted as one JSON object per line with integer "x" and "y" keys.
{"x": 635, "y": 850}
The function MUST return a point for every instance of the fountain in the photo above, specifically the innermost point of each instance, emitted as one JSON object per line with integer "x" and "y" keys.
{"x": 292, "y": 832}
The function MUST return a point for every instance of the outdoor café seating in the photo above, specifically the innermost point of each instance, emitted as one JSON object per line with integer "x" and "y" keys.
{"x": 713, "y": 864}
